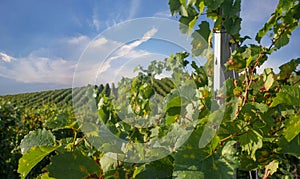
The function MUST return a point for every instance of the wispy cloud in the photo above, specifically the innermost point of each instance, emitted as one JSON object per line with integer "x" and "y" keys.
{"x": 95, "y": 20}
{"x": 6, "y": 58}
{"x": 127, "y": 51}
{"x": 105, "y": 60}
{"x": 78, "y": 40}
{"x": 134, "y": 6}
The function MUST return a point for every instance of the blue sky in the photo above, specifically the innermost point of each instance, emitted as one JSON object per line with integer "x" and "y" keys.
{"x": 42, "y": 41}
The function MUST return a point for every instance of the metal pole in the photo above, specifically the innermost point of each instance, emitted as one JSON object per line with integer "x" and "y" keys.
{"x": 222, "y": 51}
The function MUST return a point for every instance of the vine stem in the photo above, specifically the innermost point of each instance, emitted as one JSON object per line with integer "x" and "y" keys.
{"x": 80, "y": 140}
{"x": 232, "y": 135}
{"x": 75, "y": 136}
{"x": 266, "y": 174}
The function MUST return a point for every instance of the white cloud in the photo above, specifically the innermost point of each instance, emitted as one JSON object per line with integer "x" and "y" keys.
{"x": 96, "y": 22}
{"x": 78, "y": 40}
{"x": 101, "y": 61}
{"x": 133, "y": 8}
{"x": 6, "y": 58}
{"x": 98, "y": 42}
{"x": 127, "y": 51}
{"x": 33, "y": 69}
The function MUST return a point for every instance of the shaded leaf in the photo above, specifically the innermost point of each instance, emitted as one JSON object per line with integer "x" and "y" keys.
{"x": 72, "y": 165}
{"x": 190, "y": 161}
{"x": 213, "y": 4}
{"x": 287, "y": 69}
{"x": 233, "y": 25}
{"x": 291, "y": 148}
{"x": 231, "y": 8}
{"x": 162, "y": 168}
{"x": 282, "y": 40}
{"x": 201, "y": 38}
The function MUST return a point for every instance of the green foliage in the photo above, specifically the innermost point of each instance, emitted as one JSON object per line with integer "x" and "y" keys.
{"x": 10, "y": 135}
{"x": 255, "y": 125}
{"x": 283, "y": 21}
{"x": 292, "y": 128}
{"x": 163, "y": 169}
{"x": 32, "y": 157}
{"x": 37, "y": 138}
{"x": 72, "y": 165}
{"x": 262, "y": 110}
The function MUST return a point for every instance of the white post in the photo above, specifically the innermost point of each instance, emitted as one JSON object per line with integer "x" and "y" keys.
{"x": 222, "y": 51}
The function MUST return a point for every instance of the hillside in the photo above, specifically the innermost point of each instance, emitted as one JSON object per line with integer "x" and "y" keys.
{"x": 63, "y": 97}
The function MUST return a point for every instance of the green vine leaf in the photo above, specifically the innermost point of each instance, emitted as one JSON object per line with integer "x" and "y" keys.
{"x": 188, "y": 174}
{"x": 176, "y": 6}
{"x": 60, "y": 121}
{"x": 288, "y": 68}
{"x": 40, "y": 137}
{"x": 190, "y": 161}
{"x": 198, "y": 44}
{"x": 213, "y": 4}
{"x": 250, "y": 142}
{"x": 268, "y": 77}
{"x": 289, "y": 95}
{"x": 45, "y": 176}
{"x": 32, "y": 157}
{"x": 108, "y": 163}
{"x": 282, "y": 40}
{"x": 283, "y": 21}
{"x": 272, "y": 166}
{"x": 204, "y": 30}
{"x": 233, "y": 25}
{"x": 162, "y": 168}
{"x": 231, "y": 8}
{"x": 72, "y": 165}
{"x": 267, "y": 26}
{"x": 292, "y": 128}
{"x": 291, "y": 148}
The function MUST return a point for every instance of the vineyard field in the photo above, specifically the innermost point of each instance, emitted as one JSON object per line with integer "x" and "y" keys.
{"x": 22, "y": 113}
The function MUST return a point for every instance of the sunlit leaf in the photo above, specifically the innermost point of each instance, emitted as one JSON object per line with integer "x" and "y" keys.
{"x": 292, "y": 128}
{"x": 268, "y": 78}
{"x": 32, "y": 157}
{"x": 289, "y": 95}
{"x": 250, "y": 142}
{"x": 40, "y": 137}
{"x": 272, "y": 166}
